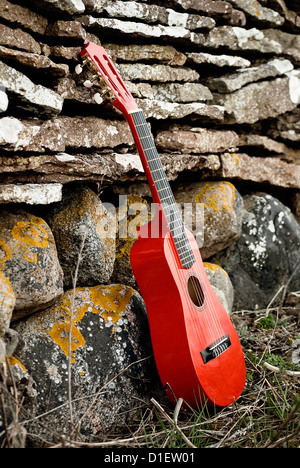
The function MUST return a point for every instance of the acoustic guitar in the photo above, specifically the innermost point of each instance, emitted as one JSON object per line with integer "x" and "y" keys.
{"x": 196, "y": 348}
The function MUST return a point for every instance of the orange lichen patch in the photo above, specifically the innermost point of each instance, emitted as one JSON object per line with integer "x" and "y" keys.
{"x": 113, "y": 300}
{"x": 60, "y": 333}
{"x": 13, "y": 362}
{"x": 5, "y": 253}
{"x": 108, "y": 301}
{"x": 31, "y": 257}
{"x": 217, "y": 196}
{"x": 7, "y": 296}
{"x": 213, "y": 268}
{"x": 66, "y": 305}
{"x": 31, "y": 233}
{"x": 257, "y": 5}
{"x": 235, "y": 157}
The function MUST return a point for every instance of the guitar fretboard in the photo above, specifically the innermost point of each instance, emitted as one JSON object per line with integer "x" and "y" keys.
{"x": 164, "y": 191}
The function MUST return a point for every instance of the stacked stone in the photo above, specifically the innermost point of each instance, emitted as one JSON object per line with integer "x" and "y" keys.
{"x": 219, "y": 83}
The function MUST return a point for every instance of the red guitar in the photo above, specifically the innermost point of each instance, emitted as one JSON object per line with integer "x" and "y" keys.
{"x": 197, "y": 351}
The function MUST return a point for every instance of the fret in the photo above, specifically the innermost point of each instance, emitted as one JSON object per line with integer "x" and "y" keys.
{"x": 152, "y": 163}
{"x": 187, "y": 257}
{"x": 144, "y": 131}
{"x": 155, "y": 170}
{"x": 164, "y": 191}
{"x": 150, "y": 148}
{"x": 166, "y": 198}
{"x": 177, "y": 230}
{"x": 179, "y": 247}
{"x": 188, "y": 264}
{"x": 160, "y": 186}
{"x": 176, "y": 218}
{"x": 158, "y": 180}
{"x": 150, "y": 160}
{"x": 182, "y": 247}
{"x": 154, "y": 157}
{"x": 174, "y": 230}
{"x": 180, "y": 235}
{"x": 143, "y": 137}
{"x": 175, "y": 209}
{"x": 174, "y": 221}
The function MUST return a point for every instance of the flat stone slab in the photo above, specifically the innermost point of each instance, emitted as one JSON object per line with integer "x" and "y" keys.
{"x": 32, "y": 97}
{"x": 32, "y": 194}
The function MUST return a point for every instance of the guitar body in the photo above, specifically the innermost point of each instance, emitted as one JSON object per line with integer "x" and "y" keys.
{"x": 179, "y": 330}
{"x": 197, "y": 351}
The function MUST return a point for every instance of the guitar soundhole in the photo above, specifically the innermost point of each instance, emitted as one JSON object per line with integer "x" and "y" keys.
{"x": 195, "y": 291}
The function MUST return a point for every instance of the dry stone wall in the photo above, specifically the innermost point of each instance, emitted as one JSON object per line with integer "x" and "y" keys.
{"x": 219, "y": 83}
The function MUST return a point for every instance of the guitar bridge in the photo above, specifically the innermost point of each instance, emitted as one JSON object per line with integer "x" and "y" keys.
{"x": 216, "y": 349}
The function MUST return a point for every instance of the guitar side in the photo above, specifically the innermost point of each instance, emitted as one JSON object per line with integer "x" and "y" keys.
{"x": 177, "y": 328}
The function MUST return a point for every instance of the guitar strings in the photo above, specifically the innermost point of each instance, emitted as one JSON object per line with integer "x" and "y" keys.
{"x": 153, "y": 160}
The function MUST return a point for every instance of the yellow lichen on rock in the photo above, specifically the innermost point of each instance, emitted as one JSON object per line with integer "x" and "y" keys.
{"x": 15, "y": 362}
{"x": 31, "y": 232}
{"x": 213, "y": 267}
{"x": 28, "y": 258}
{"x": 7, "y": 301}
{"x": 109, "y": 302}
{"x": 60, "y": 333}
{"x": 113, "y": 298}
{"x": 5, "y": 253}
{"x": 217, "y": 196}
{"x": 65, "y": 312}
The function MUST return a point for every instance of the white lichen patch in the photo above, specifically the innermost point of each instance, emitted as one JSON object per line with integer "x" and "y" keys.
{"x": 129, "y": 161}
{"x": 11, "y": 130}
{"x": 3, "y": 100}
{"x": 53, "y": 372}
{"x": 294, "y": 86}
{"x": 177, "y": 19}
{"x": 259, "y": 252}
{"x": 64, "y": 157}
{"x": 244, "y": 35}
{"x": 251, "y": 223}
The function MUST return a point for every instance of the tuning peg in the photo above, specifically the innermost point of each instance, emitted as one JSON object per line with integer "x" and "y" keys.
{"x": 88, "y": 84}
{"x": 98, "y": 98}
{"x": 78, "y": 69}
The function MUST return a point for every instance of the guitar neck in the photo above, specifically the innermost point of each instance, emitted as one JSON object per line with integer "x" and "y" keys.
{"x": 159, "y": 185}
{"x": 108, "y": 78}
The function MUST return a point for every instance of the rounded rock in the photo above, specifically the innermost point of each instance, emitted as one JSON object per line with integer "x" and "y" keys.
{"x": 28, "y": 258}
{"x": 110, "y": 356}
{"x": 82, "y": 223}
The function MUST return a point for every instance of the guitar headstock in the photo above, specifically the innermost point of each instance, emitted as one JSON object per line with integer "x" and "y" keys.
{"x": 107, "y": 77}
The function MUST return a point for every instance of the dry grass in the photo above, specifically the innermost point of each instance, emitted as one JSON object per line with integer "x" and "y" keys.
{"x": 266, "y": 416}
